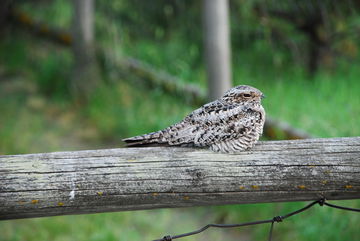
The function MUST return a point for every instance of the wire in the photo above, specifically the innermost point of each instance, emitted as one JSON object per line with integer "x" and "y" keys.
{"x": 276, "y": 219}
{"x": 340, "y": 207}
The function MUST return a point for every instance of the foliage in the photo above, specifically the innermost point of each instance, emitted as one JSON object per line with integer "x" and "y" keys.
{"x": 39, "y": 115}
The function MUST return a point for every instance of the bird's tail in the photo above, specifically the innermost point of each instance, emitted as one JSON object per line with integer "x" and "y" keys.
{"x": 151, "y": 139}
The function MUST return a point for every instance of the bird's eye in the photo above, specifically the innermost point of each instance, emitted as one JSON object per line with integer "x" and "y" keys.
{"x": 247, "y": 95}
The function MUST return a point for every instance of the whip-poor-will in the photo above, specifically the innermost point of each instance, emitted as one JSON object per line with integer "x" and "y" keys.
{"x": 230, "y": 124}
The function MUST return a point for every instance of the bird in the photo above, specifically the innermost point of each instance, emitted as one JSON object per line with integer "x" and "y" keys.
{"x": 231, "y": 124}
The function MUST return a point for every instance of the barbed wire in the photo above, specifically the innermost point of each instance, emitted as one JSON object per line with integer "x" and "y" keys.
{"x": 275, "y": 219}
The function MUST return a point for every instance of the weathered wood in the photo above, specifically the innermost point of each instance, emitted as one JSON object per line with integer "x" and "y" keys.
{"x": 93, "y": 181}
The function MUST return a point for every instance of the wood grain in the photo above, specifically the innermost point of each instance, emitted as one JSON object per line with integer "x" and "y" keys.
{"x": 62, "y": 183}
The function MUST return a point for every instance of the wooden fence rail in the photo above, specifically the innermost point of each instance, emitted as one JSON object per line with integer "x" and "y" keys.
{"x": 61, "y": 183}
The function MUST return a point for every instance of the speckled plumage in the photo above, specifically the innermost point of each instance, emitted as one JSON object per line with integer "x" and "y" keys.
{"x": 230, "y": 124}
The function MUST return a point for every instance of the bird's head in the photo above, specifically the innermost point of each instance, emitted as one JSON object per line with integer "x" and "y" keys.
{"x": 243, "y": 94}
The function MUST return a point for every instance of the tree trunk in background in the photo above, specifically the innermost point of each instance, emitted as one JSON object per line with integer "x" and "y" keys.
{"x": 4, "y": 14}
{"x": 86, "y": 73}
{"x": 217, "y": 46}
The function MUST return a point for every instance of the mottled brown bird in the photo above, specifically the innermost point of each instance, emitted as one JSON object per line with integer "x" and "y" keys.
{"x": 230, "y": 124}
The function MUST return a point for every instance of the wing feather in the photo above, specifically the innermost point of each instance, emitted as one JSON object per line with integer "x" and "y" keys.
{"x": 219, "y": 125}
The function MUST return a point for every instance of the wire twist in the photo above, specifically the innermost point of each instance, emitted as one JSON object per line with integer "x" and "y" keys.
{"x": 276, "y": 219}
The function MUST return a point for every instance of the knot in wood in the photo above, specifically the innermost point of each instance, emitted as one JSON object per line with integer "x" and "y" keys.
{"x": 197, "y": 176}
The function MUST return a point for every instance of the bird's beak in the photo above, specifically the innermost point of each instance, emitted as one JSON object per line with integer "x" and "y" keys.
{"x": 262, "y": 96}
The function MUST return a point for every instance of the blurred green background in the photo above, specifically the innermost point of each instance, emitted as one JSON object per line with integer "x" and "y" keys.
{"x": 304, "y": 55}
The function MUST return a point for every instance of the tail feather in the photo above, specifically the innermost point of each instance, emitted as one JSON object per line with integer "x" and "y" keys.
{"x": 179, "y": 134}
{"x": 151, "y": 139}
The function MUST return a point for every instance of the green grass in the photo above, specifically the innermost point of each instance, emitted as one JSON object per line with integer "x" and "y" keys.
{"x": 121, "y": 110}
{"x": 318, "y": 223}
{"x": 117, "y": 110}
{"x": 327, "y": 106}
{"x": 37, "y": 115}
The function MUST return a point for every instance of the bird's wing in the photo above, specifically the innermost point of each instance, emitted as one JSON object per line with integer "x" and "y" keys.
{"x": 233, "y": 128}
{"x": 181, "y": 133}
{"x": 186, "y": 131}
{"x": 213, "y": 122}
